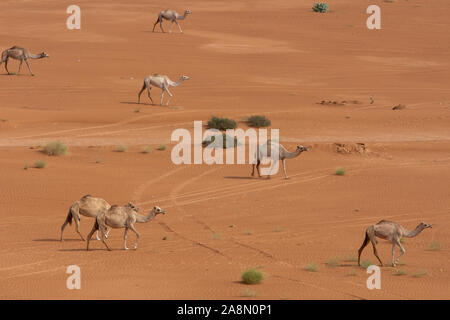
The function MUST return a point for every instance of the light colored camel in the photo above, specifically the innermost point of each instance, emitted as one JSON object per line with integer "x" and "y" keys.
{"x": 121, "y": 217}
{"x": 161, "y": 81}
{"x": 392, "y": 232}
{"x": 87, "y": 206}
{"x": 21, "y": 54}
{"x": 276, "y": 152}
{"x": 172, "y": 16}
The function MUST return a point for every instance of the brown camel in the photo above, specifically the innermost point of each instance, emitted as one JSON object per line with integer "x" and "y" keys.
{"x": 391, "y": 232}
{"x": 121, "y": 217}
{"x": 87, "y": 206}
{"x": 21, "y": 54}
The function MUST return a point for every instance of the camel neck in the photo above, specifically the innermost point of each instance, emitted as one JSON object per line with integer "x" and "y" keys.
{"x": 35, "y": 56}
{"x": 415, "y": 232}
{"x": 176, "y": 84}
{"x": 182, "y": 17}
{"x": 142, "y": 219}
{"x": 290, "y": 155}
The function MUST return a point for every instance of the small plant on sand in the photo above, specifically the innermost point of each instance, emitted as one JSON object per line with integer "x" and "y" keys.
{"x": 252, "y": 276}
{"x": 258, "y": 121}
{"x": 321, "y": 7}
{"x": 248, "y": 232}
{"x": 146, "y": 150}
{"x": 221, "y": 123}
{"x": 333, "y": 263}
{"x": 366, "y": 263}
{"x": 55, "y": 148}
{"x": 215, "y": 236}
{"x": 420, "y": 273}
{"x": 340, "y": 172}
{"x": 350, "y": 258}
{"x": 400, "y": 272}
{"x": 434, "y": 246}
{"x": 311, "y": 267}
{"x": 40, "y": 164}
{"x": 161, "y": 147}
{"x": 352, "y": 273}
{"x": 121, "y": 148}
{"x": 248, "y": 293}
{"x": 26, "y": 166}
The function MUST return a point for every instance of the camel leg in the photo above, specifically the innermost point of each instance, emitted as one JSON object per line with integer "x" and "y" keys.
{"x": 6, "y": 65}
{"x": 77, "y": 226}
{"x": 103, "y": 230}
{"x": 171, "y": 25}
{"x": 140, "y": 92}
{"x": 94, "y": 228}
{"x": 375, "y": 252}
{"x": 28, "y": 65}
{"x": 284, "y": 169}
{"x": 271, "y": 168}
{"x": 107, "y": 232}
{"x": 96, "y": 236}
{"x": 253, "y": 170}
{"x": 20, "y": 67}
{"x": 170, "y": 96}
{"x": 137, "y": 236}
{"x": 162, "y": 97}
{"x": 160, "y": 25}
{"x": 155, "y": 25}
{"x": 150, "y": 97}
{"x": 257, "y": 167}
{"x": 360, "y": 250}
{"x": 181, "y": 31}
{"x": 125, "y": 239}
{"x": 402, "y": 253}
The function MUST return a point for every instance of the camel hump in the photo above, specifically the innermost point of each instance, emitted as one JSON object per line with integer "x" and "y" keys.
{"x": 383, "y": 221}
{"x": 86, "y": 196}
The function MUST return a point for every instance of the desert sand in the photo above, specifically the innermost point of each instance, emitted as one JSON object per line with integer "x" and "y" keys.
{"x": 279, "y": 59}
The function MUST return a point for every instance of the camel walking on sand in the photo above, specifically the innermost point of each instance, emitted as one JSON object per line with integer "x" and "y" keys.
{"x": 121, "y": 217}
{"x": 172, "y": 16}
{"x": 276, "y": 152}
{"x": 392, "y": 232}
{"x": 87, "y": 206}
{"x": 21, "y": 54}
{"x": 161, "y": 81}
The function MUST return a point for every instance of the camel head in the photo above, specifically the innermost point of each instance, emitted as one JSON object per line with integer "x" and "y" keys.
{"x": 44, "y": 55}
{"x": 425, "y": 225}
{"x": 302, "y": 148}
{"x": 157, "y": 210}
{"x": 132, "y": 206}
{"x": 187, "y": 11}
{"x": 185, "y": 77}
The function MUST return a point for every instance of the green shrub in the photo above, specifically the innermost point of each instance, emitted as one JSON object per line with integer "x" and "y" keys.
{"x": 258, "y": 121}
{"x": 321, "y": 7}
{"x": 227, "y": 142}
{"x": 40, "y": 164}
{"x": 252, "y": 276}
{"x": 340, "y": 172}
{"x": 248, "y": 293}
{"x": 434, "y": 246}
{"x": 400, "y": 272}
{"x": 146, "y": 150}
{"x": 55, "y": 148}
{"x": 333, "y": 263}
{"x": 221, "y": 123}
{"x": 350, "y": 258}
{"x": 366, "y": 263}
{"x": 420, "y": 273}
{"x": 161, "y": 147}
{"x": 121, "y": 148}
{"x": 311, "y": 267}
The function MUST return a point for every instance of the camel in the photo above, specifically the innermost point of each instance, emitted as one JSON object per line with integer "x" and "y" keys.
{"x": 21, "y": 54}
{"x": 87, "y": 206}
{"x": 283, "y": 154}
{"x": 173, "y": 17}
{"x": 391, "y": 232}
{"x": 161, "y": 81}
{"x": 121, "y": 217}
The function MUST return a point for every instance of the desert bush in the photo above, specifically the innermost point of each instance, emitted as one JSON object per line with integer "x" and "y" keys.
{"x": 420, "y": 273}
{"x": 366, "y": 263}
{"x": 333, "y": 263}
{"x": 258, "y": 121}
{"x": 146, "y": 150}
{"x": 321, "y": 7}
{"x": 40, "y": 164}
{"x": 311, "y": 267}
{"x": 400, "y": 272}
{"x": 161, "y": 147}
{"x": 55, "y": 148}
{"x": 340, "y": 172}
{"x": 121, "y": 148}
{"x": 252, "y": 276}
{"x": 227, "y": 142}
{"x": 221, "y": 123}
{"x": 434, "y": 246}
{"x": 248, "y": 293}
